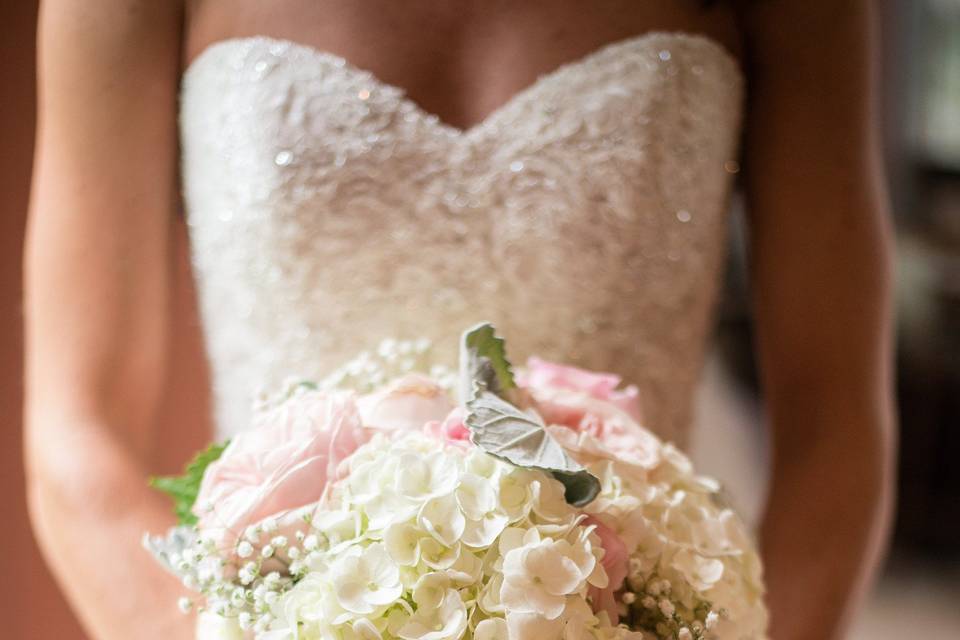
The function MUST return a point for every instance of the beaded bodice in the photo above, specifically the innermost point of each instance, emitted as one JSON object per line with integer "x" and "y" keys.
{"x": 585, "y": 217}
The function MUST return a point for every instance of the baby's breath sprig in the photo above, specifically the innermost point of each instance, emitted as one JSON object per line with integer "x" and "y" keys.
{"x": 652, "y": 605}
{"x": 268, "y": 564}
{"x": 365, "y": 373}
{"x": 391, "y": 359}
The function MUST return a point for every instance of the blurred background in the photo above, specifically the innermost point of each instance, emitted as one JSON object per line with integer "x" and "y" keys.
{"x": 920, "y": 588}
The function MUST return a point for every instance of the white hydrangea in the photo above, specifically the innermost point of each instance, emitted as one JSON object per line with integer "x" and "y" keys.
{"x": 687, "y": 547}
{"x": 426, "y": 540}
{"x": 539, "y": 574}
{"x": 415, "y": 541}
{"x": 365, "y": 579}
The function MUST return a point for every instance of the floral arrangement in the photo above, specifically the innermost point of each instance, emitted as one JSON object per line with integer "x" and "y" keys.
{"x": 372, "y": 506}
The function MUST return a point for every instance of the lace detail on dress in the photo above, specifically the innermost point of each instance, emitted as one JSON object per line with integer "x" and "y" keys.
{"x": 585, "y": 218}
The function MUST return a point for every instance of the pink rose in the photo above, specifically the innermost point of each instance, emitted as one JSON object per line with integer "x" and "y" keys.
{"x": 615, "y": 563}
{"x": 453, "y": 427}
{"x": 542, "y": 374}
{"x": 279, "y": 466}
{"x": 407, "y": 403}
{"x": 589, "y": 403}
{"x": 623, "y": 443}
{"x": 452, "y": 430}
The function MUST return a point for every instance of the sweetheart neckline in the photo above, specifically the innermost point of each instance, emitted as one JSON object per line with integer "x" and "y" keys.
{"x": 321, "y": 55}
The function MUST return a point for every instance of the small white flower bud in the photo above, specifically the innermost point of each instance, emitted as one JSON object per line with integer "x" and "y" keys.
{"x": 279, "y": 542}
{"x": 238, "y": 597}
{"x": 267, "y": 551}
{"x": 269, "y": 525}
{"x": 712, "y": 619}
{"x": 244, "y": 549}
{"x": 252, "y": 534}
{"x": 293, "y": 553}
{"x": 629, "y": 597}
{"x": 387, "y": 346}
{"x": 248, "y": 573}
{"x": 245, "y": 620}
{"x": 272, "y": 579}
{"x": 311, "y": 543}
{"x": 185, "y": 604}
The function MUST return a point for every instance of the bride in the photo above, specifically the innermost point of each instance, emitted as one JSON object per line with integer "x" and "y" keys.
{"x": 352, "y": 170}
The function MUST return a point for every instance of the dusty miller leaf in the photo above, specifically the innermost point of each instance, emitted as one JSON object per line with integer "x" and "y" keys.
{"x": 504, "y": 431}
{"x": 184, "y": 489}
{"x": 483, "y": 363}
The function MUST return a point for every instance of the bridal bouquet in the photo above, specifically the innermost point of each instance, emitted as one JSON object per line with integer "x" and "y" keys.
{"x": 373, "y": 506}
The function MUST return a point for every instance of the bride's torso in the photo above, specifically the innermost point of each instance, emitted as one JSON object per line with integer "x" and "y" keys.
{"x": 584, "y": 216}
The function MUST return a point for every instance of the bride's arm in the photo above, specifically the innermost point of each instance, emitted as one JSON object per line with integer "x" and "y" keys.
{"x": 96, "y": 305}
{"x": 820, "y": 251}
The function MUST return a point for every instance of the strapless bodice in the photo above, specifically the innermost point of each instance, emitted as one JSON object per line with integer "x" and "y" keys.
{"x": 585, "y": 218}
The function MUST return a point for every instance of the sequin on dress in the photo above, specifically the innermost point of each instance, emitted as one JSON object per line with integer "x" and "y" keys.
{"x": 586, "y": 217}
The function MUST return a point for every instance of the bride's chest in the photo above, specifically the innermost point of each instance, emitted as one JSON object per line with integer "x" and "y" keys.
{"x": 281, "y": 139}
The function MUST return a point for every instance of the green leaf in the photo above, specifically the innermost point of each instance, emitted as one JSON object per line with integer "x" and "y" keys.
{"x": 184, "y": 489}
{"x": 504, "y": 431}
{"x": 483, "y": 363}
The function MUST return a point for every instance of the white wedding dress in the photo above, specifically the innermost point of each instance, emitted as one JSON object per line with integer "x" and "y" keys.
{"x": 586, "y": 217}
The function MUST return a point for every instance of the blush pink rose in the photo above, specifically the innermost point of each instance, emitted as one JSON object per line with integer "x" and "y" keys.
{"x": 615, "y": 563}
{"x": 542, "y": 374}
{"x": 407, "y": 403}
{"x": 453, "y": 427}
{"x": 588, "y": 403}
{"x": 279, "y": 466}
{"x": 452, "y": 430}
{"x": 623, "y": 442}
